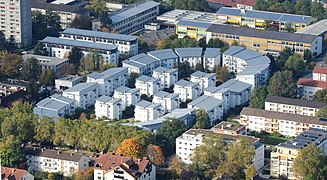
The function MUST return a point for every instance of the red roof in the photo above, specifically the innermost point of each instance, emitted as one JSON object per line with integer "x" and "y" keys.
{"x": 12, "y": 173}
{"x": 234, "y": 3}
{"x": 312, "y": 83}
{"x": 320, "y": 70}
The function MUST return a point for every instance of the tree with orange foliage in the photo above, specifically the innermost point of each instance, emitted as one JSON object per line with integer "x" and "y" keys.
{"x": 131, "y": 148}
{"x": 155, "y": 154}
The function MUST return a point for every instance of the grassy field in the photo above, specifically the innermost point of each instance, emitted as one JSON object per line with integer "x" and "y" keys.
{"x": 271, "y": 140}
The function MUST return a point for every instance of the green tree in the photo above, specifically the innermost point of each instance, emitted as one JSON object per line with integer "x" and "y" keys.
{"x": 75, "y": 56}
{"x": 176, "y": 165}
{"x": 282, "y": 84}
{"x": 322, "y": 112}
{"x": 202, "y": 120}
{"x": 258, "y": 96}
{"x": 184, "y": 70}
{"x": 199, "y": 67}
{"x": 132, "y": 79}
{"x": 45, "y": 24}
{"x": 10, "y": 64}
{"x": 47, "y": 78}
{"x": 320, "y": 96}
{"x": 11, "y": 153}
{"x": 311, "y": 162}
{"x": 295, "y": 64}
{"x": 98, "y": 8}
{"x": 96, "y": 58}
{"x": 307, "y": 55}
{"x": 81, "y": 22}
{"x": 3, "y": 42}
{"x": 44, "y": 130}
{"x": 31, "y": 69}
{"x": 317, "y": 10}
{"x": 40, "y": 50}
{"x": 222, "y": 74}
{"x": 250, "y": 172}
{"x": 285, "y": 54}
{"x": 215, "y": 43}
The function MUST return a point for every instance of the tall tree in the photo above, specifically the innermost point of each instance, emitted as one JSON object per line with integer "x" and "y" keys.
{"x": 31, "y": 69}
{"x": 282, "y": 84}
{"x": 10, "y": 64}
{"x": 250, "y": 172}
{"x": 75, "y": 56}
{"x": 3, "y": 42}
{"x": 202, "y": 120}
{"x": 45, "y": 24}
{"x": 155, "y": 154}
{"x": 47, "y": 78}
{"x": 82, "y": 22}
{"x": 215, "y": 43}
{"x": 184, "y": 70}
{"x": 131, "y": 148}
{"x": 258, "y": 96}
{"x": 132, "y": 79}
{"x": 295, "y": 64}
{"x": 222, "y": 74}
{"x": 176, "y": 165}
{"x": 40, "y": 50}
{"x": 44, "y": 130}
{"x": 320, "y": 96}
{"x": 11, "y": 154}
{"x": 322, "y": 112}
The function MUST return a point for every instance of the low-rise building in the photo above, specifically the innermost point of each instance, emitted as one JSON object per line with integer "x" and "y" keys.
{"x": 308, "y": 88}
{"x": 204, "y": 79}
{"x": 167, "y": 57}
{"x": 54, "y": 161}
{"x": 214, "y": 107}
{"x": 15, "y": 174}
{"x": 239, "y": 4}
{"x": 109, "y": 80}
{"x": 84, "y": 94}
{"x": 168, "y": 77}
{"x": 129, "y": 96}
{"x": 192, "y": 29}
{"x": 191, "y": 55}
{"x": 293, "y": 106}
{"x": 127, "y": 44}
{"x": 118, "y": 166}
{"x": 211, "y": 58}
{"x": 283, "y": 123}
{"x": 55, "y": 106}
{"x": 187, "y": 90}
{"x": 9, "y": 86}
{"x": 20, "y": 96}
{"x": 108, "y": 108}
{"x": 231, "y": 128}
{"x": 68, "y": 81}
{"x": 148, "y": 85}
{"x": 319, "y": 73}
{"x": 282, "y": 158}
{"x": 169, "y": 101}
{"x": 147, "y": 111}
{"x": 142, "y": 64}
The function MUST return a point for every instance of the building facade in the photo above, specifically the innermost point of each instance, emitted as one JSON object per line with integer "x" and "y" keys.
{"x": 196, "y": 30}
{"x": 204, "y": 79}
{"x": 187, "y": 90}
{"x": 147, "y": 111}
{"x": 108, "y": 108}
{"x": 148, "y": 85}
{"x": 319, "y": 73}
{"x": 211, "y": 58}
{"x": 67, "y": 82}
{"x": 168, "y": 101}
{"x": 168, "y": 77}
{"x": 307, "y": 88}
{"x": 129, "y": 96}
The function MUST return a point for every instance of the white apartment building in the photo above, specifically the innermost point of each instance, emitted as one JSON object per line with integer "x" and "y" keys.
{"x": 118, "y": 166}
{"x": 16, "y": 21}
{"x": 67, "y": 82}
{"x": 108, "y": 108}
{"x": 142, "y": 64}
{"x": 187, "y": 90}
{"x": 283, "y": 123}
{"x": 109, "y": 80}
{"x": 128, "y": 96}
{"x": 54, "y": 161}
{"x": 133, "y": 18}
{"x": 84, "y": 94}
{"x": 168, "y": 77}
{"x": 211, "y": 58}
{"x": 148, "y": 85}
{"x": 204, "y": 79}
{"x": 167, "y": 57}
{"x": 293, "y": 106}
{"x": 319, "y": 73}
{"x": 59, "y": 47}
{"x": 214, "y": 107}
{"x": 191, "y": 55}
{"x": 194, "y": 138}
{"x": 14, "y": 173}
{"x": 221, "y": 94}
{"x": 127, "y": 44}
{"x": 307, "y": 88}
{"x": 9, "y": 86}
{"x": 147, "y": 111}
{"x": 168, "y": 101}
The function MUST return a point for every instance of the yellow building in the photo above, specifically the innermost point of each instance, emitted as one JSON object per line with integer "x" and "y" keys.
{"x": 192, "y": 29}
{"x": 264, "y": 41}
{"x": 281, "y": 160}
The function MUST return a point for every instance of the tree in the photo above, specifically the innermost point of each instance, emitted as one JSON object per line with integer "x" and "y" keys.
{"x": 3, "y": 42}
{"x": 44, "y": 130}
{"x": 250, "y": 172}
{"x": 107, "y": 66}
{"x": 98, "y": 8}
{"x": 81, "y": 22}
{"x": 131, "y": 148}
{"x": 75, "y": 56}
{"x": 132, "y": 79}
{"x": 45, "y": 24}
{"x": 11, "y": 153}
{"x": 285, "y": 54}
{"x": 295, "y": 64}
{"x": 88, "y": 174}
{"x": 31, "y": 69}
{"x": 202, "y": 120}
{"x": 176, "y": 165}
{"x": 322, "y": 112}
{"x": 10, "y": 64}
{"x": 307, "y": 55}
{"x": 320, "y": 96}
{"x": 281, "y": 84}
{"x": 47, "y": 78}
{"x": 222, "y": 74}
{"x": 41, "y": 50}
{"x": 161, "y": 45}
{"x": 215, "y": 43}
{"x": 199, "y": 67}
{"x": 258, "y": 96}
{"x": 96, "y": 59}
{"x": 155, "y": 154}
{"x": 184, "y": 70}
{"x": 310, "y": 162}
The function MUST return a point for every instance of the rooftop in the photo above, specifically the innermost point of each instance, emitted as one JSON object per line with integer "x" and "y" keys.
{"x": 224, "y": 125}
{"x": 146, "y": 104}
{"x": 184, "y": 83}
{"x": 71, "y": 78}
{"x": 54, "y": 154}
{"x": 143, "y": 59}
{"x": 234, "y": 86}
{"x": 145, "y": 78}
{"x": 81, "y": 86}
{"x": 109, "y": 73}
{"x": 234, "y": 3}
{"x": 203, "y": 25}
{"x": 164, "y": 70}
{"x": 320, "y": 70}
{"x": 318, "y": 28}
{"x": 51, "y": 104}
{"x": 12, "y": 173}
{"x": 59, "y": 7}
{"x": 124, "y": 89}
{"x": 206, "y": 102}
{"x": 163, "y": 94}
{"x": 163, "y": 54}
{"x": 189, "y": 52}
{"x": 312, "y": 83}
{"x": 211, "y": 52}
{"x": 134, "y": 63}
{"x": 13, "y": 82}
{"x": 50, "y": 61}
{"x": 295, "y": 102}
{"x": 200, "y": 74}
{"x": 195, "y": 16}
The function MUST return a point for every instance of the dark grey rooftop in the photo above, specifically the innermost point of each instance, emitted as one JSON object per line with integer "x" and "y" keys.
{"x": 211, "y": 52}
{"x": 295, "y": 102}
{"x": 59, "y": 7}
{"x": 189, "y": 52}
{"x": 163, "y": 54}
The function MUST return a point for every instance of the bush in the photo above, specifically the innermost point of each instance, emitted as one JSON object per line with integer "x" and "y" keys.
{"x": 93, "y": 116}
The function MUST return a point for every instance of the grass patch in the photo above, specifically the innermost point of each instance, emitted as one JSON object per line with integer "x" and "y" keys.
{"x": 270, "y": 140}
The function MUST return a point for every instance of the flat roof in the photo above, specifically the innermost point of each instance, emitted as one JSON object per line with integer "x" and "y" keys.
{"x": 196, "y": 16}
{"x": 318, "y": 28}
{"x": 295, "y": 102}
{"x": 50, "y": 61}
{"x": 59, "y": 7}
{"x": 224, "y": 125}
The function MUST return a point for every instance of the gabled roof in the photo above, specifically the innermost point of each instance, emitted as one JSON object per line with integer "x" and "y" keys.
{"x": 312, "y": 83}
{"x": 8, "y": 173}
{"x": 81, "y": 86}
{"x": 211, "y": 52}
{"x": 54, "y": 154}
{"x": 21, "y": 95}
{"x": 295, "y": 102}
{"x": 109, "y": 73}
{"x": 193, "y": 24}
{"x": 144, "y": 59}
{"x": 234, "y": 86}
{"x": 318, "y": 28}
{"x": 320, "y": 70}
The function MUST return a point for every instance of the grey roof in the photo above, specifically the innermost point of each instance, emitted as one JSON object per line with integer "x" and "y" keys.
{"x": 295, "y": 102}
{"x": 182, "y": 82}
{"x": 71, "y": 78}
{"x": 122, "y": 89}
{"x": 211, "y": 52}
{"x": 178, "y": 14}
{"x": 133, "y": 63}
{"x": 164, "y": 70}
{"x": 125, "y": 14}
{"x": 198, "y": 74}
{"x": 42, "y": 112}
{"x": 318, "y": 28}
{"x": 144, "y": 59}
{"x": 163, "y": 94}
{"x": 163, "y": 54}
{"x": 189, "y": 52}
{"x": 80, "y": 87}
{"x": 109, "y": 73}
{"x": 234, "y": 50}
{"x": 62, "y": 98}
{"x": 59, "y": 7}
{"x": 99, "y": 34}
{"x": 206, "y": 102}
{"x": 103, "y": 99}
{"x": 50, "y": 104}
{"x": 249, "y": 32}
{"x": 265, "y": 15}
{"x": 144, "y": 78}
{"x": 54, "y": 154}
{"x": 235, "y": 85}
{"x": 143, "y": 104}
{"x": 50, "y": 61}
{"x": 84, "y": 44}
{"x": 193, "y": 24}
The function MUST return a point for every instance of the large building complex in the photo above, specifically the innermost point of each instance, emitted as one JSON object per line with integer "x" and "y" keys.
{"x": 240, "y": 4}
{"x": 265, "y": 41}
{"x": 16, "y": 21}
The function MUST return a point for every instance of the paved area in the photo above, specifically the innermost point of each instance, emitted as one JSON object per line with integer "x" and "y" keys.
{"x": 153, "y": 37}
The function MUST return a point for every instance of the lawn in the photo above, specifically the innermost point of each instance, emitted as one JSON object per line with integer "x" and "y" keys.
{"x": 271, "y": 140}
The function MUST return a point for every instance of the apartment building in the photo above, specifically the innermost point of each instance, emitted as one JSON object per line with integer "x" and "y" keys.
{"x": 293, "y": 106}
{"x": 9, "y": 86}
{"x": 133, "y": 18}
{"x": 194, "y": 138}
{"x": 211, "y": 58}
{"x": 307, "y": 88}
{"x": 187, "y": 90}
{"x": 147, "y": 111}
{"x": 148, "y": 85}
{"x": 263, "y": 19}
{"x": 265, "y": 41}
{"x": 60, "y": 48}
{"x": 167, "y": 57}
{"x": 67, "y": 13}
{"x": 118, "y": 166}
{"x": 191, "y": 55}
{"x": 284, "y": 123}
{"x": 142, "y": 64}
{"x": 67, "y": 82}
{"x": 214, "y": 107}
{"x": 168, "y": 77}
{"x": 14, "y": 173}
{"x": 16, "y": 21}
{"x": 84, "y": 94}
{"x": 128, "y": 96}
{"x": 108, "y": 108}
{"x": 56, "y": 106}
{"x": 109, "y": 80}
{"x": 221, "y": 94}
{"x": 239, "y": 4}
{"x": 57, "y": 65}
{"x": 319, "y": 73}
{"x": 282, "y": 158}
{"x": 169, "y": 101}
{"x": 196, "y": 30}
{"x": 127, "y": 44}
{"x": 54, "y": 161}
{"x": 204, "y": 79}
